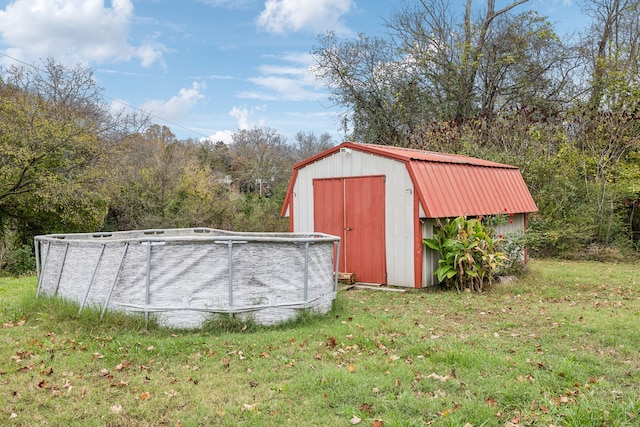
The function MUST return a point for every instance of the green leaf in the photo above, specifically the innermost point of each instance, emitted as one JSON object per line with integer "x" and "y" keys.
{"x": 432, "y": 244}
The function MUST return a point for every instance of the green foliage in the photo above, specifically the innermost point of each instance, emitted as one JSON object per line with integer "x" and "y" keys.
{"x": 469, "y": 256}
{"x": 164, "y": 183}
{"x": 557, "y": 239}
{"x": 16, "y": 258}
{"x": 49, "y": 142}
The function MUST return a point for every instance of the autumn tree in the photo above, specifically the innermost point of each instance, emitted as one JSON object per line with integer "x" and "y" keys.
{"x": 605, "y": 126}
{"x": 307, "y": 144}
{"x": 367, "y": 77}
{"x": 163, "y": 183}
{"x": 611, "y": 48}
{"x": 435, "y": 68}
{"x": 260, "y": 159}
{"x": 55, "y": 133}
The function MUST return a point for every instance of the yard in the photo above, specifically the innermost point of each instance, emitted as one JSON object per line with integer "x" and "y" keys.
{"x": 558, "y": 347}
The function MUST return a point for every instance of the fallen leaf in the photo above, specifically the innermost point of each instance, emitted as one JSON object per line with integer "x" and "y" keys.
{"x": 365, "y": 407}
{"x": 355, "y": 420}
{"x": 438, "y": 377}
{"x": 123, "y": 365}
{"x": 116, "y": 409}
{"x": 377, "y": 423}
{"x": 145, "y": 396}
{"x": 247, "y": 407}
{"x": 351, "y": 368}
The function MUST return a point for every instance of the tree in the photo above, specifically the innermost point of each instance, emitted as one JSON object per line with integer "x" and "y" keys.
{"x": 367, "y": 77}
{"x": 434, "y": 68}
{"x": 308, "y": 145}
{"x": 613, "y": 51}
{"x": 450, "y": 53}
{"x": 524, "y": 65}
{"x": 605, "y": 127}
{"x": 162, "y": 183}
{"x": 56, "y": 134}
{"x": 260, "y": 159}
{"x": 215, "y": 156}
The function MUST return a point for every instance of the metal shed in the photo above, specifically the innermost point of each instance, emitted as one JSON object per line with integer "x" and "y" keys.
{"x": 383, "y": 201}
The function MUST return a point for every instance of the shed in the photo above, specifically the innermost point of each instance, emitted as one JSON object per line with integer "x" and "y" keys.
{"x": 383, "y": 201}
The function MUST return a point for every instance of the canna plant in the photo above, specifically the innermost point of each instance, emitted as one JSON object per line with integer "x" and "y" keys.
{"x": 469, "y": 255}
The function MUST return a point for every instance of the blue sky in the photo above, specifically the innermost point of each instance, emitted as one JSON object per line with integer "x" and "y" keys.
{"x": 207, "y": 68}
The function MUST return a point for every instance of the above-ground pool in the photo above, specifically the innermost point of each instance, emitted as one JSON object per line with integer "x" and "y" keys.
{"x": 185, "y": 276}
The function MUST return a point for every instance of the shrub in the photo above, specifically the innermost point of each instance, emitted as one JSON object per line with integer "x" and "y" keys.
{"x": 469, "y": 256}
{"x": 19, "y": 261}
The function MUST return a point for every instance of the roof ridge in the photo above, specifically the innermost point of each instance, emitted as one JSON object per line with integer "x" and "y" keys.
{"x": 440, "y": 157}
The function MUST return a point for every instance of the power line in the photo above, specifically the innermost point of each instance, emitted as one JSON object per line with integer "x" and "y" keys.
{"x": 141, "y": 111}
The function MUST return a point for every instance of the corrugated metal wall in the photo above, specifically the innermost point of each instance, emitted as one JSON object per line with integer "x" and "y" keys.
{"x": 429, "y": 256}
{"x": 398, "y": 204}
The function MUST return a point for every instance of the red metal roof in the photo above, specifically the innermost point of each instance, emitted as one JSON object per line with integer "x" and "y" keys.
{"x": 450, "y": 185}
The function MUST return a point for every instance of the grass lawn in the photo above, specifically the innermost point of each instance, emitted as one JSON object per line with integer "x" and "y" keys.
{"x": 558, "y": 347}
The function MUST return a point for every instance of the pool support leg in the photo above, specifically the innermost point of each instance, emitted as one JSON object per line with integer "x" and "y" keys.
{"x": 64, "y": 258}
{"x": 95, "y": 270}
{"x": 337, "y": 267}
{"x": 115, "y": 280}
{"x": 230, "y": 255}
{"x": 148, "y": 283}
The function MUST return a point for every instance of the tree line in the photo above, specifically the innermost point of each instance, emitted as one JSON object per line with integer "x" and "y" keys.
{"x": 491, "y": 82}
{"x": 68, "y": 163}
{"x": 501, "y": 84}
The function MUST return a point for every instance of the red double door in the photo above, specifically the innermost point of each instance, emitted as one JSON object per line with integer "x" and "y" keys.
{"x": 353, "y": 208}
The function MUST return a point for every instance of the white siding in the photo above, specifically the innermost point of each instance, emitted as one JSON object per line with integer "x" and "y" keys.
{"x": 398, "y": 204}
{"x": 512, "y": 227}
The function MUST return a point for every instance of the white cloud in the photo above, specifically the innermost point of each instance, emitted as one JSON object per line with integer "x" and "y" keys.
{"x": 230, "y": 4}
{"x": 73, "y": 31}
{"x": 242, "y": 116}
{"x": 177, "y": 107}
{"x": 282, "y": 16}
{"x": 291, "y": 82}
{"x": 225, "y": 136}
{"x": 244, "y": 119}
